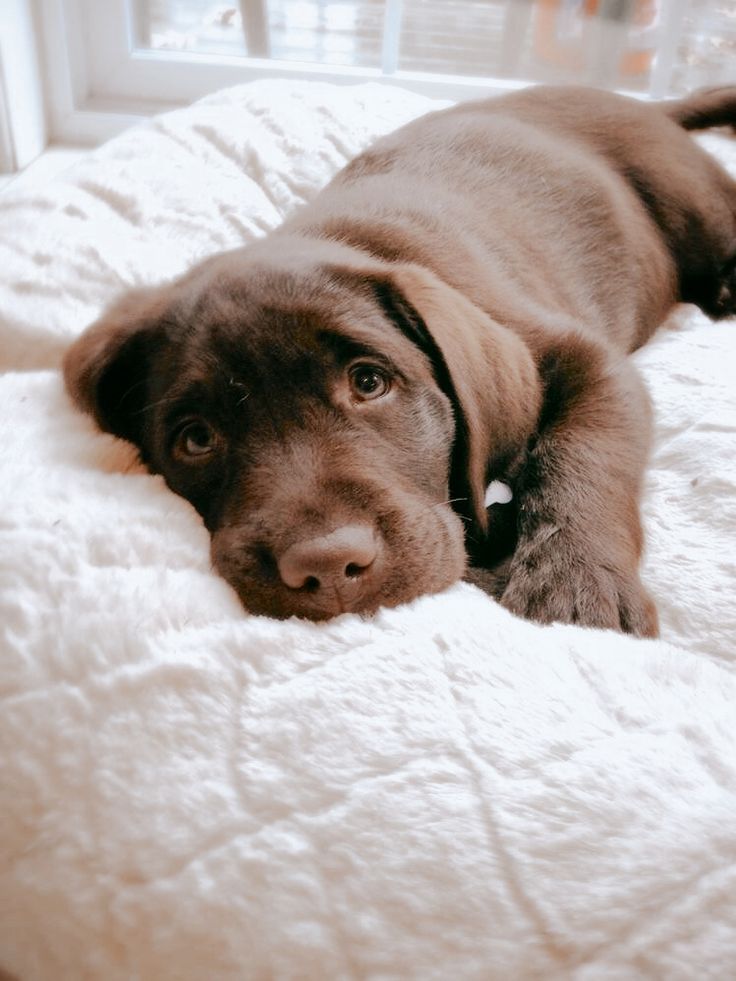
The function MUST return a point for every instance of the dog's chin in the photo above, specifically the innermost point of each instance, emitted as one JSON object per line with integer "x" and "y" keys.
{"x": 406, "y": 575}
{"x": 281, "y": 605}
{"x": 288, "y": 607}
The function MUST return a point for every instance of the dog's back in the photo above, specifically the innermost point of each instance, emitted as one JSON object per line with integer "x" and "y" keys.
{"x": 479, "y": 193}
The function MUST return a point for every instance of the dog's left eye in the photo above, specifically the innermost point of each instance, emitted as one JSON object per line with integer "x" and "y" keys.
{"x": 195, "y": 440}
{"x": 368, "y": 381}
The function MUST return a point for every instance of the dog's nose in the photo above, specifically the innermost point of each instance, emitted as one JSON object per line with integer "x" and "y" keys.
{"x": 332, "y": 565}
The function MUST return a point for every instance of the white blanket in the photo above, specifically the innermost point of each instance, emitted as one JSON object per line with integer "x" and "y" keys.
{"x": 443, "y": 791}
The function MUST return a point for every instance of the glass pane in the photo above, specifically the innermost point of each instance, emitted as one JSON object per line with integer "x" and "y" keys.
{"x": 459, "y": 37}
{"x": 191, "y": 25}
{"x": 707, "y": 55}
{"x": 331, "y": 32}
{"x": 611, "y": 43}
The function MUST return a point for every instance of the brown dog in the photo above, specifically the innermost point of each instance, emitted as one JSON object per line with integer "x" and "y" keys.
{"x": 455, "y": 308}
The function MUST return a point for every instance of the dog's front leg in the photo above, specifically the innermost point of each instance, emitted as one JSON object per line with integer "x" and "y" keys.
{"x": 580, "y": 535}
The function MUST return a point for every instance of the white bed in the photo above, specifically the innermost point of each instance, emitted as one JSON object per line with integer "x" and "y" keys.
{"x": 443, "y": 791}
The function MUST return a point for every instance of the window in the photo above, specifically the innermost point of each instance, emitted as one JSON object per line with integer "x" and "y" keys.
{"x": 113, "y": 61}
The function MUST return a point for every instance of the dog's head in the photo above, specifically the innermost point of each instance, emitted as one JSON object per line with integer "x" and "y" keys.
{"x": 320, "y": 413}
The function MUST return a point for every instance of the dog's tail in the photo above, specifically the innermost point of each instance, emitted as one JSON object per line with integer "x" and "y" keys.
{"x": 708, "y": 107}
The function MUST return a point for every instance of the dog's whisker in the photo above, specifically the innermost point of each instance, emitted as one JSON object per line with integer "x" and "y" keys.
{"x": 153, "y": 405}
{"x": 239, "y": 385}
{"x": 443, "y": 504}
{"x": 128, "y": 391}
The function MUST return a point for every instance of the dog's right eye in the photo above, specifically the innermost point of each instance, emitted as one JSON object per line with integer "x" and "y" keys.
{"x": 195, "y": 440}
{"x": 368, "y": 381}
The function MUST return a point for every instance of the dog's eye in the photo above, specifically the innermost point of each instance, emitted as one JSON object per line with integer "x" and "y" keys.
{"x": 195, "y": 440}
{"x": 368, "y": 381}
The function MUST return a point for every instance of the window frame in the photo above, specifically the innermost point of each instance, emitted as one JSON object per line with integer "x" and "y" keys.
{"x": 98, "y": 82}
{"x": 23, "y": 131}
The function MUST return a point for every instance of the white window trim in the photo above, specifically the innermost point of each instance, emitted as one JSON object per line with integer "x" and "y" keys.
{"x": 97, "y": 83}
{"x": 23, "y": 131}
{"x": 96, "y": 90}
{"x": 75, "y": 115}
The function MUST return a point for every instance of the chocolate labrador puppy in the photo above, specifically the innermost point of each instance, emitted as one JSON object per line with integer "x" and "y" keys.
{"x": 452, "y": 313}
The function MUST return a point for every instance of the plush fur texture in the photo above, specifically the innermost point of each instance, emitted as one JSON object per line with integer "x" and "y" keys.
{"x": 444, "y": 790}
{"x": 455, "y": 307}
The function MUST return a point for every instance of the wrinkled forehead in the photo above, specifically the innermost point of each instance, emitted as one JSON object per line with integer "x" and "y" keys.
{"x": 267, "y": 325}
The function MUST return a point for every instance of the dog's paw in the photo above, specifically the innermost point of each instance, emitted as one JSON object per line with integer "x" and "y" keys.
{"x": 722, "y": 303}
{"x": 557, "y": 581}
{"x": 726, "y": 297}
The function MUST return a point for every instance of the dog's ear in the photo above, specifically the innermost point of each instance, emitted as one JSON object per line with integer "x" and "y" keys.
{"x": 106, "y": 369}
{"x": 486, "y": 371}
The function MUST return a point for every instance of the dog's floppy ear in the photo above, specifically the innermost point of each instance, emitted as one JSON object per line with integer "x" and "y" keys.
{"x": 484, "y": 368}
{"x": 106, "y": 369}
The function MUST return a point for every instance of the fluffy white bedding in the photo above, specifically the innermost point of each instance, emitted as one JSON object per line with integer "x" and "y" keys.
{"x": 441, "y": 792}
